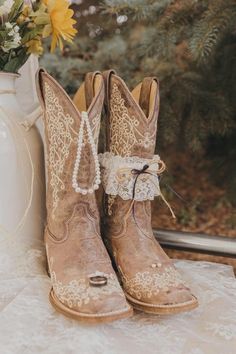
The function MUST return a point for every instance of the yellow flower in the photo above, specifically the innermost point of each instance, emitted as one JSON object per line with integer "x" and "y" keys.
{"x": 61, "y": 26}
{"x": 26, "y": 10}
{"x": 20, "y": 19}
{"x": 24, "y": 15}
{"x": 34, "y": 46}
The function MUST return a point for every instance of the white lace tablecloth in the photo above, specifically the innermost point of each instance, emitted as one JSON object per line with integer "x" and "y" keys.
{"x": 29, "y": 325}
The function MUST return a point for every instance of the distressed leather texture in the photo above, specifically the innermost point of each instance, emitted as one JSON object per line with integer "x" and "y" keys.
{"x": 147, "y": 273}
{"x": 75, "y": 250}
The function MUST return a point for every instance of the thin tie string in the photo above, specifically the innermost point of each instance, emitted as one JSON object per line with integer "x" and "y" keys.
{"x": 138, "y": 173}
{"x": 174, "y": 192}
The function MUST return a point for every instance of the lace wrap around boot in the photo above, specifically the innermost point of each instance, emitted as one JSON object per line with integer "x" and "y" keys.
{"x": 130, "y": 172}
{"x": 84, "y": 284}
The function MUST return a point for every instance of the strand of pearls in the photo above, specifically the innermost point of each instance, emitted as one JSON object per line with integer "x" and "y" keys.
{"x": 97, "y": 180}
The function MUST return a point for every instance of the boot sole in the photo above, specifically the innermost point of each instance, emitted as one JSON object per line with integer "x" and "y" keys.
{"x": 162, "y": 309}
{"x": 88, "y": 318}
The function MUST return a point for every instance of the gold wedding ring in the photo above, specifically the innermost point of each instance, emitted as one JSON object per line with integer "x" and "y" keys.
{"x": 98, "y": 280}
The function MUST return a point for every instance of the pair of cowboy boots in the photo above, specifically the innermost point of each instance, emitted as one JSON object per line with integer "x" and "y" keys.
{"x": 84, "y": 283}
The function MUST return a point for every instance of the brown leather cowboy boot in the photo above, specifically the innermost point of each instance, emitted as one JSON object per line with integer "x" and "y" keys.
{"x": 84, "y": 285}
{"x": 130, "y": 178}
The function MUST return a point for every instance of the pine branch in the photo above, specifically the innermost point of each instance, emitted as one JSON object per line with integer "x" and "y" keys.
{"x": 135, "y": 9}
{"x": 209, "y": 32}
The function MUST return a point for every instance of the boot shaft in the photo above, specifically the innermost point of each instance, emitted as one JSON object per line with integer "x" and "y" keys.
{"x": 131, "y": 132}
{"x": 62, "y": 122}
{"x": 131, "y": 116}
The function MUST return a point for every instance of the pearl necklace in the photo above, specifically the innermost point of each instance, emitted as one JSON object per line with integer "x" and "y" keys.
{"x": 85, "y": 123}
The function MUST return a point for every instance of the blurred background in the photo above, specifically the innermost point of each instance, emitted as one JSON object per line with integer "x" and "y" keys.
{"x": 190, "y": 45}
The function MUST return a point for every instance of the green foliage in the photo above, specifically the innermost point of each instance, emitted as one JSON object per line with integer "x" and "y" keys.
{"x": 15, "y": 63}
{"x": 190, "y": 45}
{"x": 15, "y": 10}
{"x": 13, "y": 36}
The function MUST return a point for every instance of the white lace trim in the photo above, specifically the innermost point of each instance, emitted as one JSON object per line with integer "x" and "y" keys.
{"x": 118, "y": 176}
{"x": 80, "y": 292}
{"x": 149, "y": 284}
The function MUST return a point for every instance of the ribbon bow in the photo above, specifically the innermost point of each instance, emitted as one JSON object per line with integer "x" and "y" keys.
{"x": 157, "y": 173}
{"x": 138, "y": 173}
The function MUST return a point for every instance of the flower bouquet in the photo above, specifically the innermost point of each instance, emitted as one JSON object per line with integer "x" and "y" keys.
{"x": 24, "y": 25}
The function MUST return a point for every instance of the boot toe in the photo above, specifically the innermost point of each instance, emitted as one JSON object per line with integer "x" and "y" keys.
{"x": 170, "y": 296}
{"x": 165, "y": 288}
{"x": 111, "y": 304}
{"x": 81, "y": 298}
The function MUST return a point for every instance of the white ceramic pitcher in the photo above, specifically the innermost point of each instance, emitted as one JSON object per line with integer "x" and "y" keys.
{"x": 22, "y": 187}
